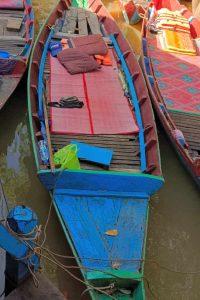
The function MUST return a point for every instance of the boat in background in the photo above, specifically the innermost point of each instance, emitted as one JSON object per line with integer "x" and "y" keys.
{"x": 132, "y": 10}
{"x": 102, "y": 207}
{"x": 16, "y": 39}
{"x": 172, "y": 72}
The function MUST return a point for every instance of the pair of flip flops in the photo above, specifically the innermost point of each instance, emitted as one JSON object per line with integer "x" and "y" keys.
{"x": 67, "y": 102}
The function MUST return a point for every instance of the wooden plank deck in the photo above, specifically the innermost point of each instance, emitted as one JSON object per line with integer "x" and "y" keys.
{"x": 125, "y": 147}
{"x": 12, "y": 31}
{"x": 80, "y": 21}
{"x": 190, "y": 126}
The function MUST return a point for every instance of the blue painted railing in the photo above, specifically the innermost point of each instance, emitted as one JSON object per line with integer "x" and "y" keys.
{"x": 135, "y": 102}
{"x": 44, "y": 147}
{"x": 40, "y": 76}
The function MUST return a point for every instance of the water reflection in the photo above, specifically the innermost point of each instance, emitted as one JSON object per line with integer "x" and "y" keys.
{"x": 173, "y": 232}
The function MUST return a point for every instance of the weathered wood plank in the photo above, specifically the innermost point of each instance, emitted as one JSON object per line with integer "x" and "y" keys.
{"x": 185, "y": 116}
{"x": 111, "y": 144}
{"x": 93, "y": 22}
{"x": 108, "y": 137}
{"x": 62, "y": 35}
{"x": 15, "y": 38}
{"x": 82, "y": 22}
{"x": 70, "y": 21}
{"x": 14, "y": 24}
{"x": 11, "y": 13}
{"x": 89, "y": 218}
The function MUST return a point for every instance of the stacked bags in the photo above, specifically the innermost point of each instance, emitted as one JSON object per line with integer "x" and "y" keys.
{"x": 175, "y": 32}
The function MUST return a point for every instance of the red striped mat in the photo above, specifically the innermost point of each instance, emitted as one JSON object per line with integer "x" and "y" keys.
{"x": 106, "y": 109}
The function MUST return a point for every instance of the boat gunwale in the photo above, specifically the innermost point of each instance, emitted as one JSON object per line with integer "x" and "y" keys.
{"x": 167, "y": 122}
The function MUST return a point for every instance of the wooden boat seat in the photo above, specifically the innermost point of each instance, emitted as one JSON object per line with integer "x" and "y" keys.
{"x": 80, "y": 21}
{"x": 13, "y": 38}
{"x": 11, "y": 25}
{"x": 14, "y": 24}
{"x": 12, "y": 44}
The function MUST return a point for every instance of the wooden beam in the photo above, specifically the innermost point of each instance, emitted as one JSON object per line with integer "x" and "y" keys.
{"x": 70, "y": 20}
{"x": 82, "y": 22}
{"x": 93, "y": 22}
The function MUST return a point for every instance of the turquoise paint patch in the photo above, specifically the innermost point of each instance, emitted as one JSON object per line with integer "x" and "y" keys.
{"x": 198, "y": 107}
{"x": 192, "y": 90}
{"x": 169, "y": 102}
{"x": 162, "y": 85}
{"x": 183, "y": 66}
{"x": 156, "y": 61}
{"x": 158, "y": 74}
{"x": 187, "y": 78}
{"x": 151, "y": 47}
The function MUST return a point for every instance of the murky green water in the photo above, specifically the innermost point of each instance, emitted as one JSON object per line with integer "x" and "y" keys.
{"x": 174, "y": 223}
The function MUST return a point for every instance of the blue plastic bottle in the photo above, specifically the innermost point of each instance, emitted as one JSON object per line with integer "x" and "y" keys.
{"x": 44, "y": 151}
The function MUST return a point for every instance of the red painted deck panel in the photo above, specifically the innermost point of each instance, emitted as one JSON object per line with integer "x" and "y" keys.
{"x": 106, "y": 109}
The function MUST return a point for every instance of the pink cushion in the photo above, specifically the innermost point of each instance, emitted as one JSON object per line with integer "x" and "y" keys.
{"x": 75, "y": 61}
{"x": 90, "y": 44}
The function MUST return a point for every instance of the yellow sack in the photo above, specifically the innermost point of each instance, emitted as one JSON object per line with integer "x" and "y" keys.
{"x": 67, "y": 158}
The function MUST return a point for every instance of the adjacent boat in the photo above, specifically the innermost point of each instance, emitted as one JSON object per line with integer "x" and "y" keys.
{"x": 16, "y": 38}
{"x": 130, "y": 11}
{"x": 107, "y": 115}
{"x": 172, "y": 77}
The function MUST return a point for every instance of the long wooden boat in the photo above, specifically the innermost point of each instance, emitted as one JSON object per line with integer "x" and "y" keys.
{"x": 173, "y": 82}
{"x": 103, "y": 212}
{"x": 16, "y": 39}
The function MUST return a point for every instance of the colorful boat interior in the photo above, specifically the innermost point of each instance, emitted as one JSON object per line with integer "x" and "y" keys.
{"x": 116, "y": 113}
{"x": 172, "y": 57}
{"x": 98, "y": 204}
{"x": 16, "y": 35}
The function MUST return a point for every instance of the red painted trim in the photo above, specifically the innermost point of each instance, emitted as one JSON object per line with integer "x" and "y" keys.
{"x": 88, "y": 103}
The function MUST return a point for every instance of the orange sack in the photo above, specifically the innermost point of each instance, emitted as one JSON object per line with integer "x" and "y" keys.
{"x": 104, "y": 59}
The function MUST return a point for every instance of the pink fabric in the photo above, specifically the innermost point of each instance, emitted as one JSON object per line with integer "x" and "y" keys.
{"x": 91, "y": 44}
{"x": 76, "y": 61}
{"x": 177, "y": 76}
{"x": 12, "y": 4}
{"x": 106, "y": 109}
